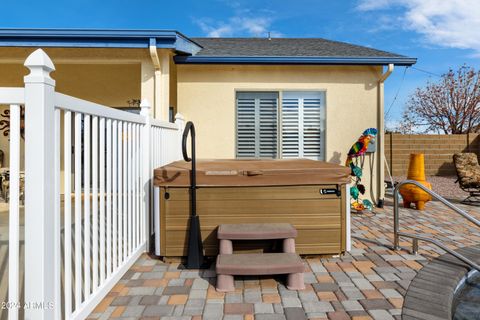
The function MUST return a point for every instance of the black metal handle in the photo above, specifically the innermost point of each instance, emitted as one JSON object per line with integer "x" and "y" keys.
{"x": 335, "y": 191}
{"x": 195, "y": 258}
{"x": 189, "y": 128}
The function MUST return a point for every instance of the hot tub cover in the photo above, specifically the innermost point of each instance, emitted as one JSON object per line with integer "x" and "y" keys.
{"x": 242, "y": 172}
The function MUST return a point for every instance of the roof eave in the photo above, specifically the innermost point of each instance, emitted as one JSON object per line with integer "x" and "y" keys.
{"x": 399, "y": 61}
{"x": 79, "y": 38}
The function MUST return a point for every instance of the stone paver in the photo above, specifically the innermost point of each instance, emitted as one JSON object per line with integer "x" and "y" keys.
{"x": 152, "y": 311}
{"x": 238, "y": 308}
{"x": 369, "y": 282}
{"x": 295, "y": 314}
{"x": 263, "y": 308}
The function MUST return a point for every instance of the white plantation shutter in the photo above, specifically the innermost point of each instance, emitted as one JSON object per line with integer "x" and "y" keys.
{"x": 303, "y": 125}
{"x": 268, "y": 126}
{"x": 257, "y": 124}
{"x": 290, "y": 127}
{"x": 246, "y": 131}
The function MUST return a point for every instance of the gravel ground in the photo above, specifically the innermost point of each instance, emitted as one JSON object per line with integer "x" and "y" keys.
{"x": 444, "y": 186}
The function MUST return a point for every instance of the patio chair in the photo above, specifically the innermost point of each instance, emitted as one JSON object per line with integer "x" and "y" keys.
{"x": 468, "y": 173}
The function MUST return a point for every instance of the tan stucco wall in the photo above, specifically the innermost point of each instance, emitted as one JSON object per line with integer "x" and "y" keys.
{"x": 105, "y": 76}
{"x": 105, "y": 69}
{"x": 76, "y": 55}
{"x": 173, "y": 86}
{"x": 111, "y": 84}
{"x": 206, "y": 95}
{"x": 108, "y": 84}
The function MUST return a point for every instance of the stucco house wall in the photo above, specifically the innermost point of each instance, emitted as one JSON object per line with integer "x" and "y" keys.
{"x": 206, "y": 96}
{"x": 87, "y": 74}
{"x": 109, "y": 76}
{"x": 108, "y": 84}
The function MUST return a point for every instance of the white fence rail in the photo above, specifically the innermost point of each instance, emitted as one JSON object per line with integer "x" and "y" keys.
{"x": 88, "y": 187}
{"x": 14, "y": 97}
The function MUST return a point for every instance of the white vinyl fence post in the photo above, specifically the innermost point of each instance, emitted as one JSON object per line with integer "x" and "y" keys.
{"x": 180, "y": 121}
{"x": 39, "y": 188}
{"x": 14, "y": 214}
{"x": 147, "y": 172}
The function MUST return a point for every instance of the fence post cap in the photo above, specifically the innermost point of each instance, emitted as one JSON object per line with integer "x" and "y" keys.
{"x": 179, "y": 116}
{"x": 40, "y": 66}
{"x": 145, "y": 107}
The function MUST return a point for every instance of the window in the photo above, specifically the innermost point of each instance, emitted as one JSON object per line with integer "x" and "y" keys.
{"x": 257, "y": 124}
{"x": 300, "y": 133}
{"x": 303, "y": 121}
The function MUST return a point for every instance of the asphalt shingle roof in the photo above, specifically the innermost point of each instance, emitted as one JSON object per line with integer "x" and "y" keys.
{"x": 283, "y": 47}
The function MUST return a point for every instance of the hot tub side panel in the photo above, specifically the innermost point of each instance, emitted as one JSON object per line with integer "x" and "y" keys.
{"x": 319, "y": 219}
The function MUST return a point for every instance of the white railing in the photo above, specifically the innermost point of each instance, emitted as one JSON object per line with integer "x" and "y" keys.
{"x": 98, "y": 211}
{"x": 162, "y": 140}
{"x": 13, "y": 97}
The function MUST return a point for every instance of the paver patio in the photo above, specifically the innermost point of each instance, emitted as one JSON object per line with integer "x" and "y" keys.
{"x": 367, "y": 283}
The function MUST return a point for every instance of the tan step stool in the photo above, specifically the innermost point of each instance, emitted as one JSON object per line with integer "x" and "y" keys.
{"x": 230, "y": 265}
{"x": 256, "y": 231}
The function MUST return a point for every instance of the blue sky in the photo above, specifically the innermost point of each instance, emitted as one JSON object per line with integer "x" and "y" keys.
{"x": 440, "y": 33}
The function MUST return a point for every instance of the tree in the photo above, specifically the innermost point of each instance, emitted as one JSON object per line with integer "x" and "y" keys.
{"x": 450, "y": 106}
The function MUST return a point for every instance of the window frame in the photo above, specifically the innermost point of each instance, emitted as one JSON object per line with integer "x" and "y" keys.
{"x": 280, "y": 93}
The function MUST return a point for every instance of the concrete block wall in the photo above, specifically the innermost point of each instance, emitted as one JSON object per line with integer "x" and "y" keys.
{"x": 438, "y": 150}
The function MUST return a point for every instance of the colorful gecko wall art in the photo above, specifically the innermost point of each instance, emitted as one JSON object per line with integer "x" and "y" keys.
{"x": 355, "y": 160}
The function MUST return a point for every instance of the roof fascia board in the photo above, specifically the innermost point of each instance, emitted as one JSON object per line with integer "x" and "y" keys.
{"x": 76, "y": 38}
{"x": 183, "y": 44}
{"x": 399, "y": 61}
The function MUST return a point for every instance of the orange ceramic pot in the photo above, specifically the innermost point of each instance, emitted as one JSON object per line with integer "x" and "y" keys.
{"x": 413, "y": 194}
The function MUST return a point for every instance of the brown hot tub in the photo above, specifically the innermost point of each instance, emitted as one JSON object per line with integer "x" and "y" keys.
{"x": 311, "y": 195}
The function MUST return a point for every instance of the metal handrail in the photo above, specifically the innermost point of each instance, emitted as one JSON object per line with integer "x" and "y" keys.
{"x": 396, "y": 225}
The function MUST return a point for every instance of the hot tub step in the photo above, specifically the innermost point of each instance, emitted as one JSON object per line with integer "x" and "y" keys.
{"x": 259, "y": 264}
{"x": 229, "y": 265}
{"x": 256, "y": 231}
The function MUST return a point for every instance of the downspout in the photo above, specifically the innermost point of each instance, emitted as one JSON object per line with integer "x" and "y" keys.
{"x": 156, "y": 79}
{"x": 387, "y": 73}
{"x": 381, "y": 137}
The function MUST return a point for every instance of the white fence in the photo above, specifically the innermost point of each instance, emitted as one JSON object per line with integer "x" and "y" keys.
{"x": 88, "y": 175}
